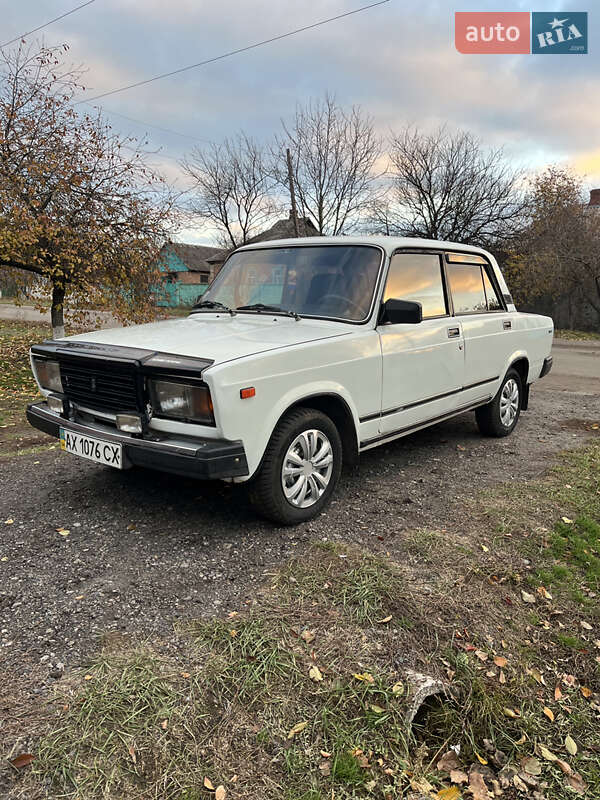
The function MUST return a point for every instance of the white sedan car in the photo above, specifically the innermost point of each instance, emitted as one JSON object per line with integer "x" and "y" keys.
{"x": 301, "y": 354}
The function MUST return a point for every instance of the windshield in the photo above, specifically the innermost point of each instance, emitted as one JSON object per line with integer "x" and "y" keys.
{"x": 322, "y": 281}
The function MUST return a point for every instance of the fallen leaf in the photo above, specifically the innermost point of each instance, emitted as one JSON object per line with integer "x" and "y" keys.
{"x": 233, "y": 633}
{"x": 9, "y": 522}
{"x": 586, "y": 625}
{"x": 398, "y": 688}
{"x": 566, "y": 768}
{"x": 567, "y": 521}
{"x": 510, "y": 712}
{"x": 531, "y": 766}
{"x": 220, "y": 793}
{"x": 132, "y": 753}
{"x": 449, "y": 793}
{"x": 502, "y": 677}
{"x": 586, "y": 692}
{"x": 481, "y": 759}
{"x": 298, "y": 728}
{"x": 23, "y": 759}
{"x": 370, "y": 785}
{"x": 549, "y": 713}
{"x": 537, "y": 676}
{"x": 385, "y": 619}
{"x": 308, "y": 636}
{"x": 500, "y": 661}
{"x": 576, "y": 782}
{"x": 208, "y": 784}
{"x": 325, "y": 768}
{"x": 4, "y": 558}
{"x": 557, "y": 693}
{"x": 376, "y": 709}
{"x": 325, "y": 754}
{"x": 547, "y": 754}
{"x": 364, "y": 676}
{"x": 185, "y": 674}
{"x": 87, "y": 677}
{"x": 458, "y": 776}
{"x": 522, "y": 740}
{"x": 527, "y": 598}
{"x": 544, "y": 592}
{"x": 570, "y": 745}
{"x": 478, "y": 786}
{"x": 164, "y": 724}
{"x": 63, "y": 531}
{"x": 485, "y": 548}
{"x": 481, "y": 655}
{"x": 448, "y": 762}
{"x": 314, "y": 673}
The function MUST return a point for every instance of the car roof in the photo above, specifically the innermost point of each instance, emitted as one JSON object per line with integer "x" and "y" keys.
{"x": 387, "y": 243}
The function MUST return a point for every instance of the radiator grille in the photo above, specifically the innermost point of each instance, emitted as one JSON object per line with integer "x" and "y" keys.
{"x": 101, "y": 386}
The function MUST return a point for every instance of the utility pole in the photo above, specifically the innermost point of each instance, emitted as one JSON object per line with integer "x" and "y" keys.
{"x": 292, "y": 192}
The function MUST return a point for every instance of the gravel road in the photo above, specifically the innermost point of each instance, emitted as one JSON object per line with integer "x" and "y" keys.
{"x": 146, "y": 549}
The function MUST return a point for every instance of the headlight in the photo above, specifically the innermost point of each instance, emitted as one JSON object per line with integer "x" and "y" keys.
{"x": 182, "y": 401}
{"x": 48, "y": 374}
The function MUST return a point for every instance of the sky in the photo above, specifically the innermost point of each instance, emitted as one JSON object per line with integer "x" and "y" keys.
{"x": 397, "y": 61}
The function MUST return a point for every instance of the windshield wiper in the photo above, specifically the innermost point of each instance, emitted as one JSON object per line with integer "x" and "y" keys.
{"x": 262, "y": 307}
{"x": 213, "y": 304}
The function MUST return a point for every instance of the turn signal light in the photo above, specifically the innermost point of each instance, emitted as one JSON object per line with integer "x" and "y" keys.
{"x": 249, "y": 391}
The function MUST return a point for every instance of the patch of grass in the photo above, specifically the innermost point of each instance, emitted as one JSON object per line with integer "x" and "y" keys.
{"x": 563, "y": 333}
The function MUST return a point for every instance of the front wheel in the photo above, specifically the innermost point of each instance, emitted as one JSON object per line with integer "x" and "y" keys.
{"x": 300, "y": 468}
{"x": 500, "y": 417}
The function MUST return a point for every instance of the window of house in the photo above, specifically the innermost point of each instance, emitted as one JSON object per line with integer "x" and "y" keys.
{"x": 204, "y": 277}
{"x": 466, "y": 288}
{"x": 417, "y": 277}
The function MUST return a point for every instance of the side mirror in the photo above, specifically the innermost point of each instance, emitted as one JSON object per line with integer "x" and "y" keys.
{"x": 401, "y": 312}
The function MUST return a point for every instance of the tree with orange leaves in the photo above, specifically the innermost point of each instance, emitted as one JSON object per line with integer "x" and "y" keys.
{"x": 79, "y": 206}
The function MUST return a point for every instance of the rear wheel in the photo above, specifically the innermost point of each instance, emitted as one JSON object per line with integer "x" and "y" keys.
{"x": 499, "y": 418}
{"x": 300, "y": 468}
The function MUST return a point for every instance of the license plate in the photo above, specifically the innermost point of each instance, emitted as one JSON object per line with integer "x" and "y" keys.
{"x": 93, "y": 449}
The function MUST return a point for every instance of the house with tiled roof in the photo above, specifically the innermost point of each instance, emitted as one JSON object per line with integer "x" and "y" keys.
{"x": 282, "y": 229}
{"x": 187, "y": 272}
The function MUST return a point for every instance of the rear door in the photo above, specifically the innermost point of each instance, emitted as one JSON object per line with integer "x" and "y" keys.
{"x": 486, "y": 324}
{"x": 423, "y": 364}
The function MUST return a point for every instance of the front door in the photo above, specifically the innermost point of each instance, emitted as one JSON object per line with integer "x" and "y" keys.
{"x": 423, "y": 363}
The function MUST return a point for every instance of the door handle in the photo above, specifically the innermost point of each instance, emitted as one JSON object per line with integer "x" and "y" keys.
{"x": 453, "y": 333}
{"x": 507, "y": 324}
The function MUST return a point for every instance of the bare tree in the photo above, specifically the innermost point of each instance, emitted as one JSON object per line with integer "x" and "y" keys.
{"x": 446, "y": 186}
{"x": 334, "y": 153}
{"x": 76, "y": 210}
{"x": 233, "y": 188}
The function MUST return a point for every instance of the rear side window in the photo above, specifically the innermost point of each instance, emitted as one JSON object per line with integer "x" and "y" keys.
{"x": 493, "y": 301}
{"x": 417, "y": 277}
{"x": 466, "y": 288}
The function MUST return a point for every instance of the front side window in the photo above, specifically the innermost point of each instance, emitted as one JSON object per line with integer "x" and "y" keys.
{"x": 417, "y": 277}
{"x": 331, "y": 281}
{"x": 466, "y": 288}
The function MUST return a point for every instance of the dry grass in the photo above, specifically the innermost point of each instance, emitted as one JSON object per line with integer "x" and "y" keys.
{"x": 495, "y": 609}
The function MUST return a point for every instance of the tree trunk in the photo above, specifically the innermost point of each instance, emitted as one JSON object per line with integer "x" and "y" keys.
{"x": 56, "y": 312}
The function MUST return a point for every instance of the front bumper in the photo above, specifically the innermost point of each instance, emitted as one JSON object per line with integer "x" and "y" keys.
{"x": 194, "y": 457}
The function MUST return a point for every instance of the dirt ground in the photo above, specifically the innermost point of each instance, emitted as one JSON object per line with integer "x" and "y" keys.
{"x": 145, "y": 549}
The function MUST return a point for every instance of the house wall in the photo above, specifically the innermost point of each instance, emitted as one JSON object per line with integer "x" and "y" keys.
{"x": 181, "y": 292}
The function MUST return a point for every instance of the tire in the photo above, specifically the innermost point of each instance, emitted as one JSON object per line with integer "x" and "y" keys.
{"x": 299, "y": 435}
{"x": 499, "y": 418}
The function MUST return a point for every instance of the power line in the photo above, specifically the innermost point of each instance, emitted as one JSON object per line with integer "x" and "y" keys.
{"x": 234, "y": 52}
{"x": 147, "y": 124}
{"x": 45, "y": 25}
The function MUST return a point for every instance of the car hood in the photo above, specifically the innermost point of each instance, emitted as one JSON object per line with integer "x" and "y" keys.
{"x": 216, "y": 337}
